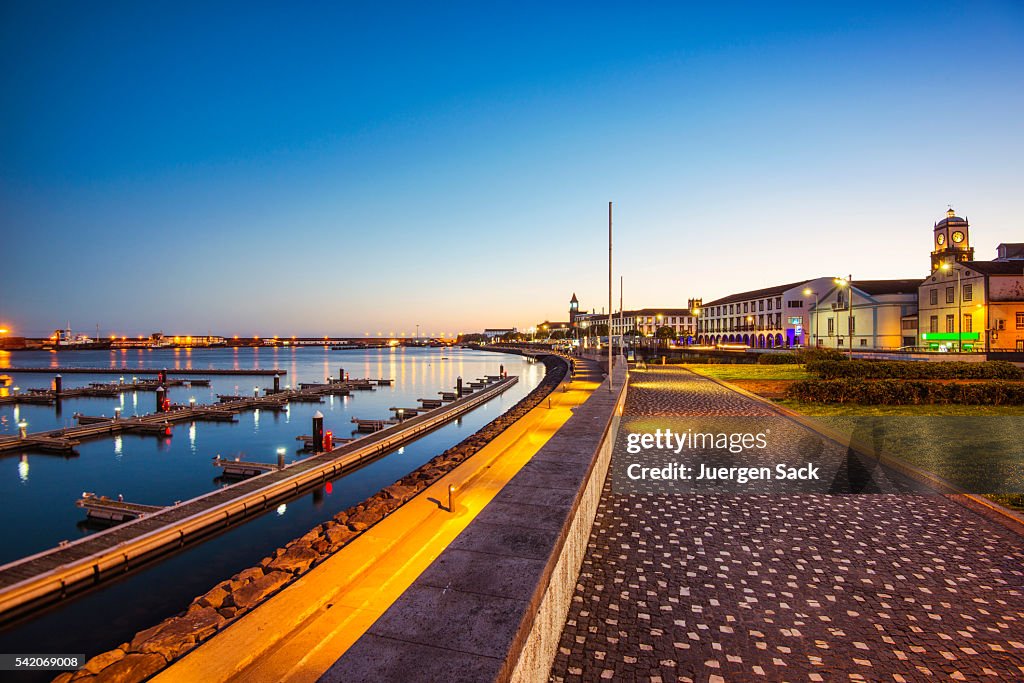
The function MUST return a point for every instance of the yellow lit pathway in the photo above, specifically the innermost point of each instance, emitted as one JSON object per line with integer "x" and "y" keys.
{"x": 299, "y": 633}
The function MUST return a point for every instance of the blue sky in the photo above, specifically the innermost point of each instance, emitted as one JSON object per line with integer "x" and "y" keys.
{"x": 341, "y": 168}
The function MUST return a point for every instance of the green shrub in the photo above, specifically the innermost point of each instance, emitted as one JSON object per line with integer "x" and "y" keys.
{"x": 873, "y": 369}
{"x": 778, "y": 359}
{"x": 820, "y": 354}
{"x": 905, "y": 392}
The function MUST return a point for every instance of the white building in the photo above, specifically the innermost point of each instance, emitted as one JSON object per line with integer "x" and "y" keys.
{"x": 763, "y": 318}
{"x": 870, "y": 315}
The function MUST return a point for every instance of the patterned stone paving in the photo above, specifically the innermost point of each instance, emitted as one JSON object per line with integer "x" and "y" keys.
{"x": 716, "y": 587}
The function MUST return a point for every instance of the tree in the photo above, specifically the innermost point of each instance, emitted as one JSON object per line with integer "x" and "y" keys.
{"x": 558, "y": 334}
{"x": 599, "y": 330}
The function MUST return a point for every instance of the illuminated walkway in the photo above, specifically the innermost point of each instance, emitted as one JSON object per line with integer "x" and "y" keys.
{"x": 299, "y": 633}
{"x": 712, "y": 586}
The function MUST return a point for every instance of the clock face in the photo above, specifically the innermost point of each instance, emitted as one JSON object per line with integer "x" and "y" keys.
{"x": 940, "y": 239}
{"x": 958, "y": 237}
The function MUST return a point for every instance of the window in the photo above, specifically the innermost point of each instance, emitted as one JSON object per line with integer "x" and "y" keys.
{"x": 950, "y": 297}
{"x": 853, "y": 324}
{"x": 839, "y": 342}
{"x": 840, "y": 301}
{"x": 950, "y": 321}
{"x": 933, "y": 297}
{"x": 968, "y": 323}
{"x": 863, "y": 342}
{"x": 731, "y": 311}
{"x": 831, "y": 326}
{"x": 821, "y": 342}
{"x": 968, "y": 292}
{"x": 909, "y": 324}
{"x": 1020, "y": 320}
{"x": 778, "y": 302}
{"x": 745, "y": 306}
{"x": 769, "y": 304}
{"x": 1000, "y": 324}
{"x": 933, "y": 323}
{"x": 795, "y": 304}
{"x": 760, "y": 305}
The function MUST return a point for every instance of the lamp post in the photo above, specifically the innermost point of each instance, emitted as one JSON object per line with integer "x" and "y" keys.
{"x": 808, "y": 292}
{"x": 750, "y": 328}
{"x": 959, "y": 309}
{"x": 848, "y": 283}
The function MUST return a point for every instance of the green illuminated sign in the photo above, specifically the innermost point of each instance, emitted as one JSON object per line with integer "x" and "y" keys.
{"x": 950, "y": 336}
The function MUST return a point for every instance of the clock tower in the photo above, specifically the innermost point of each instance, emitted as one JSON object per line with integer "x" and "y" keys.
{"x": 574, "y": 309}
{"x": 951, "y": 241}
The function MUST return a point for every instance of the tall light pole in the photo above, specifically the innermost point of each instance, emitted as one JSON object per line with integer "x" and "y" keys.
{"x": 848, "y": 283}
{"x": 808, "y": 292}
{"x": 610, "y": 314}
{"x": 959, "y": 309}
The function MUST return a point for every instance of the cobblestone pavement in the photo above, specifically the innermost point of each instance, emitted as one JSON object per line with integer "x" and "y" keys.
{"x": 713, "y": 586}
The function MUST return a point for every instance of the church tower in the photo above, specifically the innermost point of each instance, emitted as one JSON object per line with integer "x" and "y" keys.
{"x": 574, "y": 309}
{"x": 951, "y": 241}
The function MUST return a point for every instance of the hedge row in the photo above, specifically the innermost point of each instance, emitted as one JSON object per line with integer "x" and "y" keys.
{"x": 778, "y": 359}
{"x": 873, "y": 369}
{"x": 905, "y": 392}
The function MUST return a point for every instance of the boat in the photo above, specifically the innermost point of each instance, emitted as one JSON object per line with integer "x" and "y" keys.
{"x": 66, "y": 340}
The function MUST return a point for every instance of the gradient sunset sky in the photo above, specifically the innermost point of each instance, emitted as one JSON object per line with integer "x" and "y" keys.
{"x": 267, "y": 168}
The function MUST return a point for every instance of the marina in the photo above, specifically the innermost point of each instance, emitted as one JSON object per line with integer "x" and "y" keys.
{"x": 57, "y": 572}
{"x": 159, "y": 470}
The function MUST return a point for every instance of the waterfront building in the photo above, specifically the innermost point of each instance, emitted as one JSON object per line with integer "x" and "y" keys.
{"x": 647, "y": 321}
{"x": 495, "y": 332}
{"x": 763, "y": 318}
{"x": 869, "y": 315}
{"x": 968, "y": 305}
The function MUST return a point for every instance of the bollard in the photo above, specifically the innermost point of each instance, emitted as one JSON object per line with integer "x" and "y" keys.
{"x": 162, "y": 376}
{"x": 58, "y": 384}
{"x": 451, "y": 490}
{"x": 280, "y": 458}
{"x": 117, "y": 414}
{"x": 277, "y": 383}
{"x": 458, "y": 387}
{"x": 341, "y": 374}
{"x": 318, "y": 432}
{"x": 160, "y": 393}
{"x": 501, "y": 370}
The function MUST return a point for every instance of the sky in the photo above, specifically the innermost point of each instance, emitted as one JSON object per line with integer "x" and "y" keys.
{"x": 344, "y": 168}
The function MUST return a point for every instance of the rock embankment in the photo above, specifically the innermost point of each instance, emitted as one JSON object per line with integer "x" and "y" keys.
{"x": 154, "y": 648}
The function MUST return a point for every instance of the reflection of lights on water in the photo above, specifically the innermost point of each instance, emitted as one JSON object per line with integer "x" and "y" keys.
{"x": 117, "y": 446}
{"x": 401, "y": 451}
{"x": 281, "y": 508}
{"x": 192, "y": 436}
{"x": 23, "y": 469}
{"x": 256, "y": 420}
{"x": 135, "y": 400}
{"x": 17, "y": 413}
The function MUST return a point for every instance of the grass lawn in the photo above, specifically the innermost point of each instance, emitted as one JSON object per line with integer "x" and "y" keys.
{"x": 732, "y": 372}
{"x": 855, "y": 409}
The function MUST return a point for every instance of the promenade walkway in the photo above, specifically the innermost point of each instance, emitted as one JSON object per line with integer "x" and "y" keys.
{"x": 684, "y": 583}
{"x": 298, "y": 634}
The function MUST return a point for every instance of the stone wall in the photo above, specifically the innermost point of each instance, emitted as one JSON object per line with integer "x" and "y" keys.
{"x": 154, "y": 648}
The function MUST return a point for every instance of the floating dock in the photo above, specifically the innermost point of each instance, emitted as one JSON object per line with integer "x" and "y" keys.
{"x": 101, "y": 507}
{"x": 55, "y": 573}
{"x": 240, "y": 468}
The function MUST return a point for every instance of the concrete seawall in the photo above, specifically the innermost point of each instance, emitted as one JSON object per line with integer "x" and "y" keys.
{"x": 492, "y": 606}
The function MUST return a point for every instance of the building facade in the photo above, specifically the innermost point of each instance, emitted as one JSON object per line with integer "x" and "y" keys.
{"x": 968, "y": 305}
{"x": 867, "y": 315}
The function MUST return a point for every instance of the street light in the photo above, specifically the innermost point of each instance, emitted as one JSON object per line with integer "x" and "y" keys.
{"x": 807, "y": 292}
{"x": 848, "y": 282}
{"x": 946, "y": 267}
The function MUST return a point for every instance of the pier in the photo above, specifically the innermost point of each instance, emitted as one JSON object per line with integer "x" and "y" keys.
{"x": 146, "y": 371}
{"x": 101, "y": 507}
{"x": 55, "y": 573}
{"x": 160, "y": 423}
{"x": 238, "y": 468}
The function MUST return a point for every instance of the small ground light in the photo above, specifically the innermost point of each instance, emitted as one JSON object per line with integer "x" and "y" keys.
{"x": 23, "y": 428}
{"x": 255, "y": 392}
{"x": 117, "y": 413}
{"x": 191, "y": 401}
{"x": 451, "y": 492}
{"x": 280, "y": 457}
